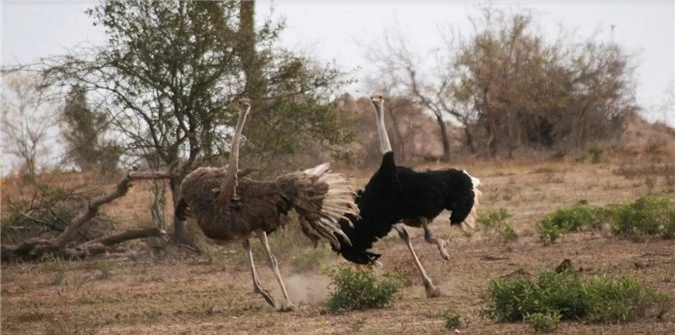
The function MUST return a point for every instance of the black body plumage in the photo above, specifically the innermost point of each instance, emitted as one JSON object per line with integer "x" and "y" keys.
{"x": 399, "y": 194}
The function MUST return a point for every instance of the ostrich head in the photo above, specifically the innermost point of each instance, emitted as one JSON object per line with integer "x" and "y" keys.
{"x": 378, "y": 100}
{"x": 465, "y": 198}
{"x": 244, "y": 105}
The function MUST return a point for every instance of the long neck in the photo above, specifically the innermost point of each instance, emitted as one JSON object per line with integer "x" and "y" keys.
{"x": 385, "y": 146}
{"x": 229, "y": 186}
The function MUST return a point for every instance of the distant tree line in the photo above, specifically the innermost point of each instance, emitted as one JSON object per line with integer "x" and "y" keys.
{"x": 510, "y": 86}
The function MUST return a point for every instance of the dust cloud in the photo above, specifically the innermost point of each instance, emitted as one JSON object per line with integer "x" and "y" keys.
{"x": 447, "y": 286}
{"x": 308, "y": 288}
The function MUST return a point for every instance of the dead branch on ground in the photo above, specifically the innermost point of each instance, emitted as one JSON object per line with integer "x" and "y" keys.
{"x": 35, "y": 248}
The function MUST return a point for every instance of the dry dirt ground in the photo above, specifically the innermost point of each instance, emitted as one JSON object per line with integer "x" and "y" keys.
{"x": 181, "y": 293}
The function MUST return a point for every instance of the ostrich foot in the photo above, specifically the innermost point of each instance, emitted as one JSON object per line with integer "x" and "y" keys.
{"x": 267, "y": 296}
{"x": 443, "y": 248}
{"x": 286, "y": 307}
{"x": 432, "y": 292}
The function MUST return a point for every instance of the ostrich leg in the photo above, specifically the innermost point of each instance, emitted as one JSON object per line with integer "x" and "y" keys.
{"x": 256, "y": 282}
{"x": 429, "y": 287}
{"x": 442, "y": 244}
{"x": 287, "y": 306}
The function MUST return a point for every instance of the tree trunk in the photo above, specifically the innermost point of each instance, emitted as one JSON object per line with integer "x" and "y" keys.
{"x": 444, "y": 137}
{"x": 493, "y": 144}
{"x": 469, "y": 138}
{"x": 180, "y": 233}
{"x": 248, "y": 53}
{"x": 398, "y": 142}
{"x": 512, "y": 124}
{"x": 158, "y": 206}
{"x": 491, "y": 139}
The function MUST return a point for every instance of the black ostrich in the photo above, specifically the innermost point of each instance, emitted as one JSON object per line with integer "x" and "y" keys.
{"x": 397, "y": 194}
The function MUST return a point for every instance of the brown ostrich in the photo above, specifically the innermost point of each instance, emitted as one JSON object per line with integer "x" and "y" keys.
{"x": 229, "y": 208}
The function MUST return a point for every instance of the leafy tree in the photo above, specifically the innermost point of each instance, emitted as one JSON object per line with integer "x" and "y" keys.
{"x": 83, "y": 133}
{"x": 171, "y": 69}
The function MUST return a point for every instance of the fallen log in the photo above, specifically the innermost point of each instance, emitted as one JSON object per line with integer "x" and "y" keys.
{"x": 36, "y": 248}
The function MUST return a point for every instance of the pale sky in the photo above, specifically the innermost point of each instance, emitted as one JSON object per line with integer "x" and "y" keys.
{"x": 337, "y": 30}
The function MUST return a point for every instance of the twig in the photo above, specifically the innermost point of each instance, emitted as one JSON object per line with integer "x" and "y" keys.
{"x": 125, "y": 236}
{"x": 44, "y": 223}
{"x": 188, "y": 247}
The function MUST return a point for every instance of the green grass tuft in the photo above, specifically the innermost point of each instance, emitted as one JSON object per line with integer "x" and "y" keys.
{"x": 543, "y": 322}
{"x": 493, "y": 223}
{"x": 452, "y": 320}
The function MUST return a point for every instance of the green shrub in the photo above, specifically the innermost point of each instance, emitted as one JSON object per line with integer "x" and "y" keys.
{"x": 8, "y": 220}
{"x": 103, "y": 267}
{"x": 508, "y": 233}
{"x": 593, "y": 153}
{"x": 623, "y": 299}
{"x": 548, "y": 232}
{"x": 452, "y": 320}
{"x": 59, "y": 266}
{"x": 61, "y": 272}
{"x": 543, "y": 322}
{"x": 649, "y": 215}
{"x": 596, "y": 154}
{"x": 565, "y": 220}
{"x": 358, "y": 324}
{"x": 511, "y": 299}
{"x": 596, "y": 300}
{"x": 492, "y": 218}
{"x": 359, "y": 288}
{"x": 494, "y": 223}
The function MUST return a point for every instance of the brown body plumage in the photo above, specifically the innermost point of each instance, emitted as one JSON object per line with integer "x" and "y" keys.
{"x": 229, "y": 209}
{"x": 263, "y": 205}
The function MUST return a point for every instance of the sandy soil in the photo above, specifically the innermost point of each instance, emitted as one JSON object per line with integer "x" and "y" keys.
{"x": 179, "y": 293}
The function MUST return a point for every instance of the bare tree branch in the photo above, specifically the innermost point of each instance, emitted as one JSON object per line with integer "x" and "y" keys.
{"x": 35, "y": 248}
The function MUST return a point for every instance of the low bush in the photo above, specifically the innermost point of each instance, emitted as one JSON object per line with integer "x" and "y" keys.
{"x": 359, "y": 288}
{"x": 565, "y": 296}
{"x": 493, "y": 223}
{"x": 649, "y": 215}
{"x": 570, "y": 219}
